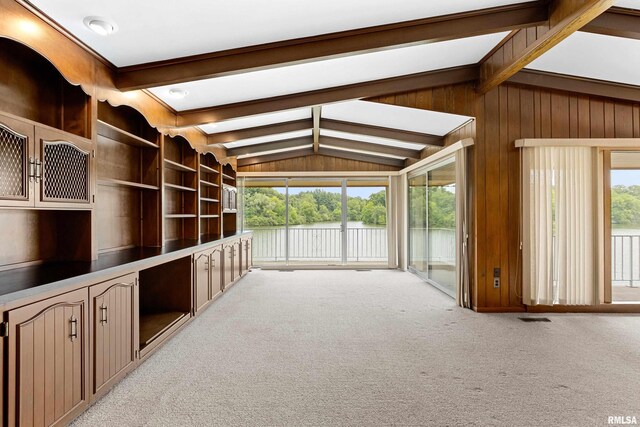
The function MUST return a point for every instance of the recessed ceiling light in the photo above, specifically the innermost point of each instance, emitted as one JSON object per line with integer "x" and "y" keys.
{"x": 177, "y": 93}
{"x": 100, "y": 25}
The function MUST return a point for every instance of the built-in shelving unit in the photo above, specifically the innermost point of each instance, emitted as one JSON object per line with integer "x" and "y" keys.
{"x": 229, "y": 200}
{"x": 128, "y": 166}
{"x": 180, "y": 189}
{"x": 210, "y": 175}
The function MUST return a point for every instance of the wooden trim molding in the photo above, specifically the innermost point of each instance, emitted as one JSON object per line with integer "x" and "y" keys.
{"x": 579, "y": 142}
{"x": 240, "y": 134}
{"x": 616, "y": 22}
{"x": 369, "y": 147}
{"x": 332, "y": 45}
{"x": 382, "y": 132}
{"x": 577, "y": 84}
{"x": 440, "y": 155}
{"x": 520, "y": 48}
{"x": 275, "y": 156}
{"x": 373, "y": 88}
{"x": 370, "y": 158}
{"x": 270, "y": 146}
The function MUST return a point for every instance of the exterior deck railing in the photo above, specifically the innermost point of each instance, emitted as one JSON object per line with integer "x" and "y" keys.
{"x": 319, "y": 244}
{"x": 625, "y": 260}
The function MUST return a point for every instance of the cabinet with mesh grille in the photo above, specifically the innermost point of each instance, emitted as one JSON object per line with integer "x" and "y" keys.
{"x": 63, "y": 172}
{"x": 16, "y": 149}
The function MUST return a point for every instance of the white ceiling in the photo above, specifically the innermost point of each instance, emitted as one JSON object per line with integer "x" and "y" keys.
{"x": 370, "y": 139}
{"x": 329, "y": 73}
{"x": 630, "y": 4}
{"x": 390, "y": 116}
{"x": 269, "y": 138}
{"x": 257, "y": 120}
{"x": 153, "y": 30}
{"x": 594, "y": 56}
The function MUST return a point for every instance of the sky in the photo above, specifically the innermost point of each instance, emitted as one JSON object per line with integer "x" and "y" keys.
{"x": 625, "y": 177}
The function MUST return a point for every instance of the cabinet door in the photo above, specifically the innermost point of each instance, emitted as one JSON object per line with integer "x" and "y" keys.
{"x": 16, "y": 151}
{"x": 249, "y": 259}
{"x": 201, "y": 276}
{"x": 228, "y": 266}
{"x": 48, "y": 355}
{"x": 216, "y": 271}
{"x": 237, "y": 259}
{"x": 113, "y": 345}
{"x": 63, "y": 177}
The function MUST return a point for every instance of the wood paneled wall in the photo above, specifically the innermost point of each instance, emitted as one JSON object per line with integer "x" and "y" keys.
{"x": 316, "y": 163}
{"x": 503, "y": 115}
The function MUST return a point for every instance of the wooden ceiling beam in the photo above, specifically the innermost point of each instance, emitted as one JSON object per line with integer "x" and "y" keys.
{"x": 361, "y": 157}
{"x": 369, "y": 147}
{"x": 332, "y": 45}
{"x": 382, "y": 132}
{"x": 240, "y": 134}
{"x": 616, "y": 22}
{"x": 577, "y": 84}
{"x": 317, "y": 114}
{"x": 270, "y": 146}
{"x": 248, "y": 161}
{"x": 523, "y": 46}
{"x": 373, "y": 88}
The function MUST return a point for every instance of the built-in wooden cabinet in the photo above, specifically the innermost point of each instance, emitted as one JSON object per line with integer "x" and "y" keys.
{"x": 210, "y": 204}
{"x": 207, "y": 276}
{"x": 227, "y": 267}
{"x": 114, "y": 342}
{"x": 47, "y": 364}
{"x": 246, "y": 255}
{"x": 43, "y": 167}
{"x": 229, "y": 200}
{"x": 237, "y": 259}
{"x": 128, "y": 206}
{"x": 180, "y": 189}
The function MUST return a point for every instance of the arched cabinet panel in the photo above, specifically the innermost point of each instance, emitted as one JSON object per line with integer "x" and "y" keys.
{"x": 114, "y": 344}
{"x": 16, "y": 149}
{"x": 48, "y": 351}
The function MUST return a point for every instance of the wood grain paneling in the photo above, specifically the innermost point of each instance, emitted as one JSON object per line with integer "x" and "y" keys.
{"x": 48, "y": 360}
{"x": 504, "y": 114}
{"x": 316, "y": 163}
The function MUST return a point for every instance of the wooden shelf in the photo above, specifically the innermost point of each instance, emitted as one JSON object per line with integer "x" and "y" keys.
{"x": 208, "y": 169}
{"x": 176, "y": 216}
{"x": 206, "y": 199}
{"x": 119, "y": 135}
{"x": 178, "y": 187}
{"x": 121, "y": 183}
{"x": 177, "y": 166}
{"x": 225, "y": 176}
{"x": 226, "y": 211}
{"x": 209, "y": 216}
{"x": 153, "y": 325}
{"x": 207, "y": 183}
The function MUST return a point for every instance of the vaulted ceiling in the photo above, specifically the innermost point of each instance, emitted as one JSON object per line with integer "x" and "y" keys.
{"x": 278, "y": 79}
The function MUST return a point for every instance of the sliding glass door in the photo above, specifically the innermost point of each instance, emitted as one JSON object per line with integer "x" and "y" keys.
{"x": 432, "y": 225}
{"x": 623, "y": 227}
{"x": 317, "y": 221}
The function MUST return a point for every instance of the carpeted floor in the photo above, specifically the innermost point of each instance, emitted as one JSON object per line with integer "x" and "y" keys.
{"x": 377, "y": 348}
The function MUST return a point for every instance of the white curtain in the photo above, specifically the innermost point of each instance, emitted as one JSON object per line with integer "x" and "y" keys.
{"x": 558, "y": 225}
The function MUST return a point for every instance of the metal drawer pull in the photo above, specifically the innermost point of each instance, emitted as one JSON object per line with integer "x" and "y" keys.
{"x": 103, "y": 314}
{"x": 74, "y": 328}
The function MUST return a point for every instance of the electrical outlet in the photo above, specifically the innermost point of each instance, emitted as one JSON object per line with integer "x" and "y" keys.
{"x": 496, "y": 277}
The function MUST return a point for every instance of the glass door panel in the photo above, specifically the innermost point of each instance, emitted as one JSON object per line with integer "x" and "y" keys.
{"x": 264, "y": 213}
{"x": 417, "y": 223}
{"x": 624, "y": 226}
{"x": 367, "y": 221}
{"x": 315, "y": 221}
{"x": 441, "y": 225}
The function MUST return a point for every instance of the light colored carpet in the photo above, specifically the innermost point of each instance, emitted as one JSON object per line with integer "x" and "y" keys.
{"x": 377, "y": 348}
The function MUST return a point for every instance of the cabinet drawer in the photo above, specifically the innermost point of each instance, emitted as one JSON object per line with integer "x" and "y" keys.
{"x": 48, "y": 355}
{"x": 113, "y": 339}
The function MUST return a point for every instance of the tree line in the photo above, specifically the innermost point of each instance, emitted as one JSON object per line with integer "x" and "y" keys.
{"x": 265, "y": 207}
{"x": 625, "y": 205}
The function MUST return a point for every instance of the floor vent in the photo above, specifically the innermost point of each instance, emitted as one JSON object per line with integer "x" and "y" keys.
{"x": 534, "y": 319}
{"x": 362, "y": 270}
